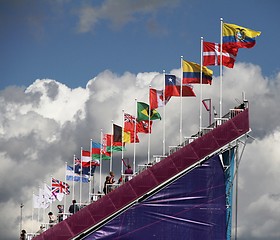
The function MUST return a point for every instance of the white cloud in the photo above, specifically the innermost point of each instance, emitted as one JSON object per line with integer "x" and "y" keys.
{"x": 46, "y": 124}
{"x": 118, "y": 13}
{"x": 57, "y": 101}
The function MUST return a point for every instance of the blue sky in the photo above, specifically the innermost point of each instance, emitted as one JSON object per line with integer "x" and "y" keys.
{"x": 68, "y": 68}
{"x": 60, "y": 40}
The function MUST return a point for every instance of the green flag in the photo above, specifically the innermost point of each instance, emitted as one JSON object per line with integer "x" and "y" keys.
{"x": 143, "y": 112}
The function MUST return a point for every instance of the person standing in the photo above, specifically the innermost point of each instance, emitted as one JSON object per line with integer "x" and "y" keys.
{"x": 60, "y": 213}
{"x": 107, "y": 181}
{"x": 74, "y": 207}
{"x": 52, "y": 219}
{"x": 22, "y": 235}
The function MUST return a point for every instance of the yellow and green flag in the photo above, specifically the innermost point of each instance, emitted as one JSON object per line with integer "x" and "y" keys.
{"x": 143, "y": 112}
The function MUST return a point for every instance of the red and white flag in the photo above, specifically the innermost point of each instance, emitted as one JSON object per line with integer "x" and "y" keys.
{"x": 85, "y": 156}
{"x": 211, "y": 54}
{"x": 156, "y": 98}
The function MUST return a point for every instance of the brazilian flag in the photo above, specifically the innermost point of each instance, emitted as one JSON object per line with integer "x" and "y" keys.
{"x": 143, "y": 112}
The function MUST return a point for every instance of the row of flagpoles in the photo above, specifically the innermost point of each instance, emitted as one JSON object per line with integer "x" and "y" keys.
{"x": 224, "y": 53}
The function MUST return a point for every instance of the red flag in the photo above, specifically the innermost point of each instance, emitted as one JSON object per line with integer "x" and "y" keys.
{"x": 109, "y": 145}
{"x": 141, "y": 126}
{"x": 211, "y": 54}
{"x": 156, "y": 98}
{"x": 173, "y": 87}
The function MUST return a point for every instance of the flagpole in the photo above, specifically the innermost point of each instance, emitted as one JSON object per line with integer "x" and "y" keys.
{"x": 73, "y": 180}
{"x": 112, "y": 138}
{"x": 32, "y": 216}
{"x": 163, "y": 123}
{"x": 89, "y": 177}
{"x": 100, "y": 161}
{"x": 43, "y": 191}
{"x": 221, "y": 68}
{"x": 181, "y": 103}
{"x": 149, "y": 137}
{"x": 52, "y": 195}
{"x": 200, "y": 101}
{"x": 65, "y": 185}
{"x": 122, "y": 140}
{"x": 40, "y": 205}
{"x": 81, "y": 173}
{"x": 32, "y": 213}
{"x": 134, "y": 147}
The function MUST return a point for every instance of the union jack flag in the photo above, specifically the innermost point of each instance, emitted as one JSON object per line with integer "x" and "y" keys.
{"x": 60, "y": 187}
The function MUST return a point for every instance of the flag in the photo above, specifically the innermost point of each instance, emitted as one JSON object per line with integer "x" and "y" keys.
{"x": 238, "y": 36}
{"x": 72, "y": 176}
{"x": 130, "y": 129}
{"x": 110, "y": 145}
{"x": 173, "y": 87}
{"x": 143, "y": 112}
{"x": 123, "y": 136}
{"x": 130, "y": 123}
{"x": 207, "y": 106}
{"x": 143, "y": 126}
{"x": 85, "y": 156}
{"x": 59, "y": 188}
{"x": 48, "y": 193}
{"x": 130, "y": 137}
{"x": 117, "y": 133}
{"x": 87, "y": 160}
{"x": 89, "y": 170}
{"x": 39, "y": 202}
{"x": 36, "y": 201}
{"x": 191, "y": 73}
{"x": 43, "y": 199}
{"x": 77, "y": 165}
{"x": 156, "y": 98}
{"x": 97, "y": 150}
{"x": 211, "y": 54}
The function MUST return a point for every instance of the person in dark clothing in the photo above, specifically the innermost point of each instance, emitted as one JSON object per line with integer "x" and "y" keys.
{"x": 23, "y": 235}
{"x": 74, "y": 207}
{"x": 60, "y": 213}
{"x": 107, "y": 181}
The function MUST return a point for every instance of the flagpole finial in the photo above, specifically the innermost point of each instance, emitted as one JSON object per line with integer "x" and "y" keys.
{"x": 221, "y": 19}
{"x": 182, "y": 56}
{"x": 201, "y": 38}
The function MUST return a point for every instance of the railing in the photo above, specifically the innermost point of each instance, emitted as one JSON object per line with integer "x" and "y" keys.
{"x": 143, "y": 167}
{"x": 126, "y": 177}
{"x": 173, "y": 149}
{"x": 111, "y": 187}
{"x": 96, "y": 196}
{"x": 217, "y": 122}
